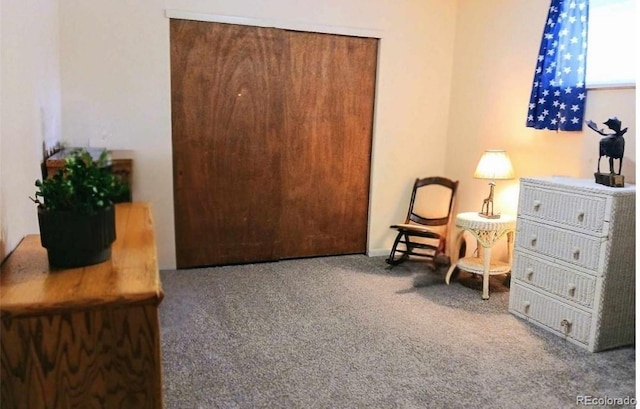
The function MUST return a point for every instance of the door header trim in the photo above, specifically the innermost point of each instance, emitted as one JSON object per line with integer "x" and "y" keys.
{"x": 285, "y": 25}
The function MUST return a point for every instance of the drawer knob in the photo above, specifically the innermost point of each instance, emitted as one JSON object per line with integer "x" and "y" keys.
{"x": 536, "y": 205}
{"x": 576, "y": 253}
{"x": 529, "y": 273}
{"x": 572, "y": 289}
{"x": 581, "y": 216}
{"x": 534, "y": 240}
{"x": 526, "y": 306}
{"x": 566, "y": 325}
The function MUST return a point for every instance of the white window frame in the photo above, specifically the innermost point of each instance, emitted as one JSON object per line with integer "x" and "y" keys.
{"x": 614, "y": 15}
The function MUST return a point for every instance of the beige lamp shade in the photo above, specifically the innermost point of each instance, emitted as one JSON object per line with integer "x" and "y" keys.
{"x": 494, "y": 164}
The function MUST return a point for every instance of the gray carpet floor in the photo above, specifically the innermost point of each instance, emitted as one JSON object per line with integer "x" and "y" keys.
{"x": 346, "y": 332}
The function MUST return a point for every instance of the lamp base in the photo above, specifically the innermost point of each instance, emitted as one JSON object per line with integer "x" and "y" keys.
{"x": 489, "y": 216}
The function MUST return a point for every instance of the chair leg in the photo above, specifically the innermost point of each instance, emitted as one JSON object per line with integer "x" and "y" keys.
{"x": 392, "y": 256}
{"x": 407, "y": 241}
{"x": 442, "y": 246}
{"x": 440, "y": 259}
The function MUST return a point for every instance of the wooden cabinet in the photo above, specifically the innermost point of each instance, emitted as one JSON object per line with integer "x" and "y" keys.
{"x": 84, "y": 337}
{"x": 574, "y": 263}
{"x": 121, "y": 165}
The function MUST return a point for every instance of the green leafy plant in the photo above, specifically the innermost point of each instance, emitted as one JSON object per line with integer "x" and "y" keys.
{"x": 83, "y": 185}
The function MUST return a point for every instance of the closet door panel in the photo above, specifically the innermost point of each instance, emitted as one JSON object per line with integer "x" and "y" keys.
{"x": 271, "y": 142}
{"x": 227, "y": 119}
{"x": 327, "y": 144}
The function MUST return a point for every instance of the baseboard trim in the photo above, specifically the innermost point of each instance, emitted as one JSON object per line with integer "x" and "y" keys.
{"x": 378, "y": 252}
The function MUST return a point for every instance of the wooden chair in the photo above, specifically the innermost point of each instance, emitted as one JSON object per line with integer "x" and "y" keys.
{"x": 424, "y": 232}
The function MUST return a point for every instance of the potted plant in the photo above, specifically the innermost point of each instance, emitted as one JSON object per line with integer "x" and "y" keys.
{"x": 77, "y": 213}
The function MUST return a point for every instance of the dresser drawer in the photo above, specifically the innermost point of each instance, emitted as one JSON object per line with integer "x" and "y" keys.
{"x": 563, "y": 282}
{"x": 571, "y": 247}
{"x": 581, "y": 211}
{"x": 550, "y": 313}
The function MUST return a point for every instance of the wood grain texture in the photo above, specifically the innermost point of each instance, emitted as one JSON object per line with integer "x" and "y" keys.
{"x": 100, "y": 358}
{"x": 328, "y": 131}
{"x": 28, "y": 286}
{"x": 226, "y": 85}
{"x": 85, "y": 337}
{"x": 271, "y": 142}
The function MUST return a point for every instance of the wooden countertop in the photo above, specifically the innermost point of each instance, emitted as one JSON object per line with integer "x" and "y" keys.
{"x": 58, "y": 158}
{"x": 28, "y": 286}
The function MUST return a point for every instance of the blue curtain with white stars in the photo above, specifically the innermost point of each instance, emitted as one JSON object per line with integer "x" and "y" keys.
{"x": 559, "y": 95}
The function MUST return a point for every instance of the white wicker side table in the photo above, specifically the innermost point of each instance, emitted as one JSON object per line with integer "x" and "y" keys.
{"x": 487, "y": 232}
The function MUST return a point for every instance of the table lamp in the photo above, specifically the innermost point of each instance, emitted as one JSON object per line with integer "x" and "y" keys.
{"x": 494, "y": 164}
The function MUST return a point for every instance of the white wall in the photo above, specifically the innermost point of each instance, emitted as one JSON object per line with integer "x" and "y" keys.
{"x": 435, "y": 111}
{"x": 496, "y": 45}
{"x": 116, "y": 89}
{"x": 29, "y": 109}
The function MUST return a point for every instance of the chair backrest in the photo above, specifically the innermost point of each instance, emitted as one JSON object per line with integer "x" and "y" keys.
{"x": 432, "y": 201}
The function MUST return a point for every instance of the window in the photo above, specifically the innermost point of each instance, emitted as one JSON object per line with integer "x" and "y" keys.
{"x": 611, "y": 43}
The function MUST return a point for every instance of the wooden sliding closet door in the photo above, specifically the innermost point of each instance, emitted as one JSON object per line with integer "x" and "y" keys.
{"x": 227, "y": 116}
{"x": 327, "y": 147}
{"x": 271, "y": 142}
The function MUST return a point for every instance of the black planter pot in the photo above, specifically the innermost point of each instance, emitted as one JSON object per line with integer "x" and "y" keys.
{"x": 76, "y": 240}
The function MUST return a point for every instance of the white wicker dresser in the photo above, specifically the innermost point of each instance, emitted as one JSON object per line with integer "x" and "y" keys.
{"x": 574, "y": 261}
